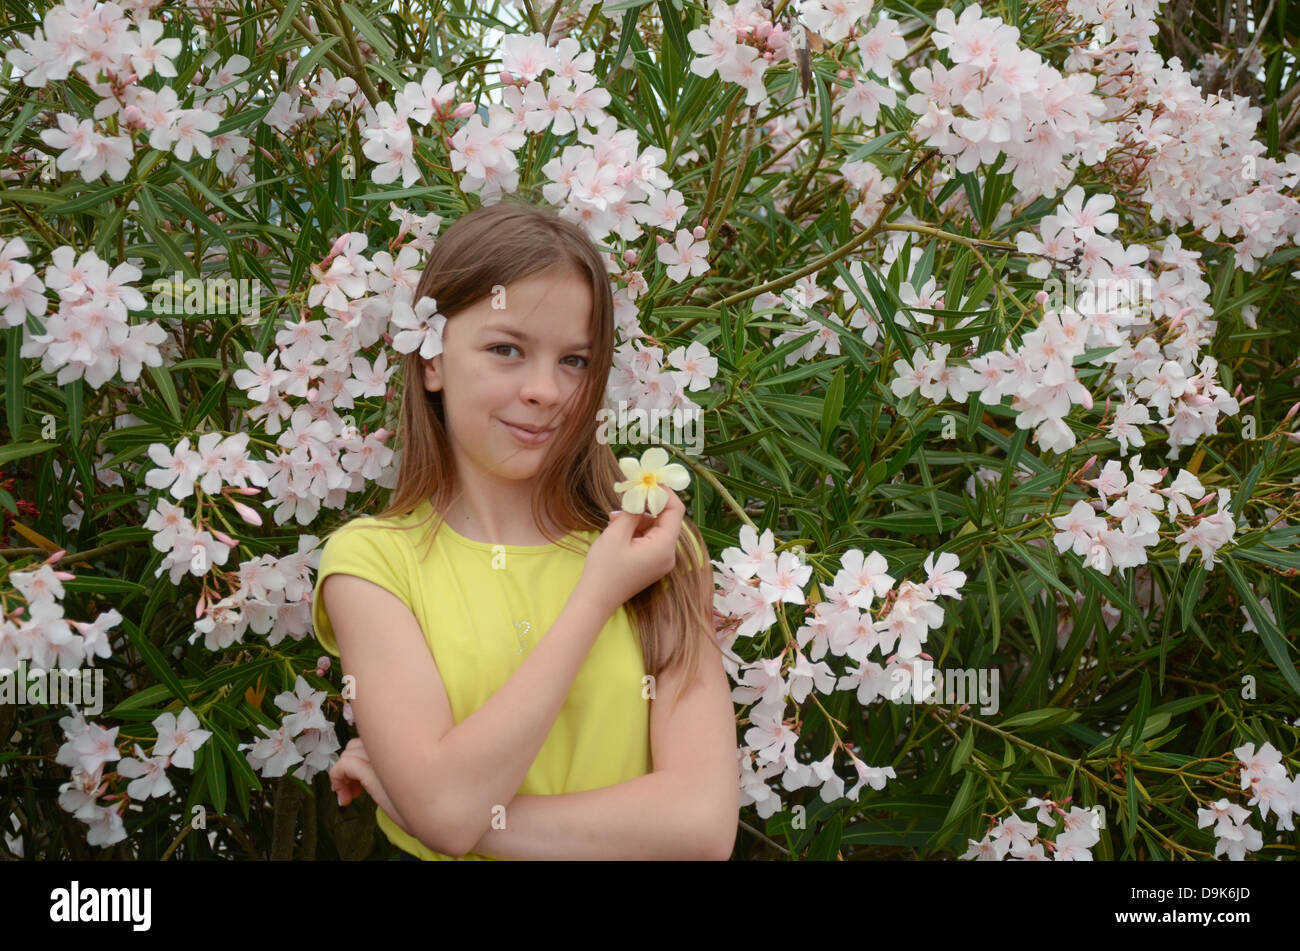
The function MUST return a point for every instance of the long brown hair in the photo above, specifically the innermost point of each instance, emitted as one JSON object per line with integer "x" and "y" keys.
{"x": 493, "y": 246}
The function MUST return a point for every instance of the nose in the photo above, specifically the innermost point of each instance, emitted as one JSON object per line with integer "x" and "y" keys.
{"x": 541, "y": 388}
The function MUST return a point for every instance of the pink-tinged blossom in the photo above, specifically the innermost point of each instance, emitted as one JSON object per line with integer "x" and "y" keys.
{"x": 179, "y": 737}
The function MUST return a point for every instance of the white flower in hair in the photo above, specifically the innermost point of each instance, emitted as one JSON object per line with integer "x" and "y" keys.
{"x": 418, "y": 329}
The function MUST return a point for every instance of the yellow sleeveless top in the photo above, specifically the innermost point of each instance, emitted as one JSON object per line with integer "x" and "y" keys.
{"x": 482, "y": 608}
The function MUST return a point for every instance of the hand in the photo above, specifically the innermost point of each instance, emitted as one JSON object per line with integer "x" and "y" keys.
{"x": 633, "y": 552}
{"x": 353, "y": 773}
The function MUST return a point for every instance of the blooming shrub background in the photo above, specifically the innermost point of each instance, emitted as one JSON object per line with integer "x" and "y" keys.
{"x": 986, "y": 307}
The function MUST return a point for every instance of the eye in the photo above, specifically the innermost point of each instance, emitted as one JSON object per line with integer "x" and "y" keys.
{"x": 585, "y": 362}
{"x": 504, "y": 346}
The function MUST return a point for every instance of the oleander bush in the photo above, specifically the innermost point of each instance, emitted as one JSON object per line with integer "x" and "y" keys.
{"x": 987, "y": 313}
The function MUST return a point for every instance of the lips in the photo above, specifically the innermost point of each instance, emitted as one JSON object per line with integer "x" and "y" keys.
{"x": 535, "y": 430}
{"x": 528, "y": 437}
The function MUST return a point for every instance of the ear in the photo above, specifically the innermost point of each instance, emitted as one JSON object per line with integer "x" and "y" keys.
{"x": 432, "y": 372}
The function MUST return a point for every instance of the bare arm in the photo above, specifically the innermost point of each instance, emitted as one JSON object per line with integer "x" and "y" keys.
{"x": 688, "y": 808}
{"x": 444, "y": 778}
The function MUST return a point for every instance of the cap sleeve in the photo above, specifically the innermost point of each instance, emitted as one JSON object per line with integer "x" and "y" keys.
{"x": 379, "y": 555}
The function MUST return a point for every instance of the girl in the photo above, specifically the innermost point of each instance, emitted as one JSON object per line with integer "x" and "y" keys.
{"x": 530, "y": 675}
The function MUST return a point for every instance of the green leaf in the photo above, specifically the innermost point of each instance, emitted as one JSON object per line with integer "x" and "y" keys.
{"x": 155, "y": 660}
{"x": 803, "y": 372}
{"x": 22, "y": 450}
{"x": 162, "y": 378}
{"x": 875, "y": 145}
{"x": 76, "y": 409}
{"x": 1043, "y": 574}
{"x": 1046, "y": 717}
{"x": 827, "y": 844}
{"x": 832, "y": 406}
{"x": 119, "y": 586}
{"x": 1266, "y": 627}
{"x": 812, "y": 454}
{"x": 15, "y": 392}
{"x": 148, "y": 697}
{"x": 956, "y": 810}
{"x": 308, "y": 62}
{"x": 962, "y": 753}
{"x": 991, "y": 592}
{"x": 371, "y": 32}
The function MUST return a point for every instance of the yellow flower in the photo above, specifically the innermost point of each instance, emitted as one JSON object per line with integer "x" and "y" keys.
{"x": 643, "y": 488}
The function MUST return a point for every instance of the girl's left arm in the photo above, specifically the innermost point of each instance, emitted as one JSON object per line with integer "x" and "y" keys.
{"x": 687, "y": 808}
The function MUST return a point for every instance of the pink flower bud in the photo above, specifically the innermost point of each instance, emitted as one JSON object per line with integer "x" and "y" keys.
{"x": 247, "y": 514}
{"x": 463, "y": 110}
{"x": 1291, "y": 412}
{"x": 65, "y": 575}
{"x": 763, "y": 29}
{"x": 629, "y": 256}
{"x": 699, "y": 232}
{"x": 248, "y": 490}
{"x": 322, "y": 665}
{"x": 506, "y": 78}
{"x": 1042, "y": 298}
{"x": 224, "y": 538}
{"x": 201, "y": 606}
{"x": 383, "y": 435}
{"x": 55, "y": 556}
{"x": 132, "y": 116}
{"x": 1086, "y": 400}
{"x": 842, "y": 74}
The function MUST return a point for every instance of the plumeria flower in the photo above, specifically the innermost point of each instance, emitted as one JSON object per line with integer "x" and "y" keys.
{"x": 643, "y": 487}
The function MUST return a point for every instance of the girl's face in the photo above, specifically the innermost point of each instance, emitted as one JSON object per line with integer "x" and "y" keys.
{"x": 516, "y": 357}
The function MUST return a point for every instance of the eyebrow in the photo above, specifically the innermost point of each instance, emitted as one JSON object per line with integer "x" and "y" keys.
{"x": 520, "y": 335}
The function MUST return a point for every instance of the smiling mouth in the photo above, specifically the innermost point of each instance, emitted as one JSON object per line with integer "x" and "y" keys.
{"x": 527, "y": 436}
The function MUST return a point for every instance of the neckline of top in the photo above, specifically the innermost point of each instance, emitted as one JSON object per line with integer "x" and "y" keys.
{"x": 445, "y": 526}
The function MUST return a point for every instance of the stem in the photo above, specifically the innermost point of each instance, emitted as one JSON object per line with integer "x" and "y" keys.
{"x": 723, "y": 140}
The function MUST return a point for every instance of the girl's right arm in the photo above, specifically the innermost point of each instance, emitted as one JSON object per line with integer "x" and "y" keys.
{"x": 445, "y": 778}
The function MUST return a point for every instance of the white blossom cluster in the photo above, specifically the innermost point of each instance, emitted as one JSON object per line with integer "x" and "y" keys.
{"x": 89, "y": 747}
{"x": 304, "y": 736}
{"x": 90, "y": 336}
{"x": 1021, "y": 840}
{"x": 47, "y": 639}
{"x": 750, "y": 581}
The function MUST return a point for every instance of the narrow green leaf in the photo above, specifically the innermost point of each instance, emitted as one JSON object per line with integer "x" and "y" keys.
{"x": 1265, "y": 626}
{"x": 963, "y": 751}
{"x": 162, "y": 378}
{"x": 371, "y": 32}
{"x": 21, "y": 450}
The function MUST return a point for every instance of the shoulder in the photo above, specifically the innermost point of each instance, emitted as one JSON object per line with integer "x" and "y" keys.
{"x": 389, "y": 540}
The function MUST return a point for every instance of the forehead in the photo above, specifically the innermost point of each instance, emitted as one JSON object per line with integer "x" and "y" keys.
{"x": 553, "y": 306}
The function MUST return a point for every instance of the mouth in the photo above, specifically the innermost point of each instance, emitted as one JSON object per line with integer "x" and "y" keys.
{"x": 528, "y": 436}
